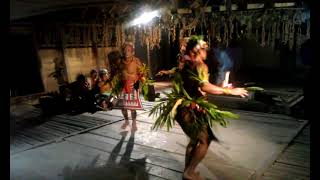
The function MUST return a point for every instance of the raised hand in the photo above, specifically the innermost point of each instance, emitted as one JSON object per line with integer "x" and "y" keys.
{"x": 160, "y": 73}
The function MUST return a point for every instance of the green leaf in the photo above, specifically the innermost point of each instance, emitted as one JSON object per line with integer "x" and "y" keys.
{"x": 228, "y": 114}
{"x": 167, "y": 108}
{"x": 254, "y": 88}
{"x": 174, "y": 108}
{"x": 185, "y": 103}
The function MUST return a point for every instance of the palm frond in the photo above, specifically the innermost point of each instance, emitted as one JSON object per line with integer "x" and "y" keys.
{"x": 166, "y": 109}
{"x": 174, "y": 108}
{"x": 117, "y": 85}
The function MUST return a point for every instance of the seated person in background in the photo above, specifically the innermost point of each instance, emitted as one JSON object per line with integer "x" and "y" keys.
{"x": 80, "y": 93}
{"x": 93, "y": 79}
{"x": 104, "y": 83}
{"x": 80, "y": 87}
{"x": 104, "y": 88}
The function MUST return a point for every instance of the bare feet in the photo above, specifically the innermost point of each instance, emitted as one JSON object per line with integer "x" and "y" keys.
{"x": 134, "y": 126}
{"x": 191, "y": 176}
{"x": 195, "y": 177}
{"x": 186, "y": 176}
{"x": 125, "y": 124}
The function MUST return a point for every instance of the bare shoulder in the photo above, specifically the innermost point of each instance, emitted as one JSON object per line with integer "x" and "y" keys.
{"x": 202, "y": 66}
{"x": 137, "y": 60}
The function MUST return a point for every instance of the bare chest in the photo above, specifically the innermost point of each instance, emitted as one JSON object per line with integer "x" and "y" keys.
{"x": 131, "y": 67}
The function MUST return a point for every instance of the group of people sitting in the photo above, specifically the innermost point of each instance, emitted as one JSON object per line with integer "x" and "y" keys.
{"x": 91, "y": 93}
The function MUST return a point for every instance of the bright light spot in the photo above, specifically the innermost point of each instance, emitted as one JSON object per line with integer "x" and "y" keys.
{"x": 226, "y": 80}
{"x": 145, "y": 18}
{"x": 228, "y": 85}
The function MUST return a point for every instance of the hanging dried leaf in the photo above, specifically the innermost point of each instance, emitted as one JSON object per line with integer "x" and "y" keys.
{"x": 231, "y": 26}
{"x": 278, "y": 36}
{"x": 269, "y": 38}
{"x": 263, "y": 34}
{"x": 291, "y": 35}
{"x": 299, "y": 42}
{"x": 257, "y": 35}
{"x": 274, "y": 31}
{"x": 308, "y": 29}
{"x": 249, "y": 22}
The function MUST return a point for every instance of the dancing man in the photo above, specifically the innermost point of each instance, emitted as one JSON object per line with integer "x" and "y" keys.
{"x": 188, "y": 105}
{"x": 130, "y": 77}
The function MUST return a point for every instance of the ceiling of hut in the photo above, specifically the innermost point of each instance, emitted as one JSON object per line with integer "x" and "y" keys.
{"x": 89, "y": 22}
{"x": 21, "y": 9}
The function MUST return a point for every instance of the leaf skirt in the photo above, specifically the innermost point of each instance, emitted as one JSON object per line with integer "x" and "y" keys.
{"x": 189, "y": 122}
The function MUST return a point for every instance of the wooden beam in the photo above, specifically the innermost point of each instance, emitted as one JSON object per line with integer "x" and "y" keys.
{"x": 21, "y": 29}
{"x": 224, "y": 8}
{"x": 255, "y": 6}
{"x": 184, "y": 11}
{"x": 206, "y": 9}
{"x": 279, "y": 5}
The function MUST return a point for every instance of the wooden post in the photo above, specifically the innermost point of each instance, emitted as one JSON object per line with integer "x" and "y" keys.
{"x": 148, "y": 57}
{"x": 36, "y": 47}
{"x": 66, "y": 65}
{"x": 96, "y": 55}
{"x": 64, "y": 41}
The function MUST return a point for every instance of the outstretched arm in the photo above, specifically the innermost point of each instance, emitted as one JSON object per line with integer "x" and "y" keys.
{"x": 213, "y": 89}
{"x": 207, "y": 87}
{"x": 166, "y": 72}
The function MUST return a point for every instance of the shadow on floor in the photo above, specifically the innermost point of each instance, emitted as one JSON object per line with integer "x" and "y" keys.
{"x": 126, "y": 169}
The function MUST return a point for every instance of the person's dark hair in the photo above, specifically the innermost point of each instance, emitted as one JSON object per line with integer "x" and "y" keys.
{"x": 93, "y": 71}
{"x": 113, "y": 56}
{"x": 81, "y": 78}
{"x": 191, "y": 44}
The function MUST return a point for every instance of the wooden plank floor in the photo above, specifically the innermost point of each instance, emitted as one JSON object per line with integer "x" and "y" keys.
{"x": 105, "y": 152}
{"x": 57, "y": 127}
{"x": 54, "y": 128}
{"x": 294, "y": 162}
{"x": 248, "y": 144}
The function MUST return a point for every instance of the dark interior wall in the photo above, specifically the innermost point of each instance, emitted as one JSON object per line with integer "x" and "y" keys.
{"x": 163, "y": 57}
{"x": 251, "y": 62}
{"x": 264, "y": 64}
{"x": 25, "y": 66}
{"x": 141, "y": 51}
{"x": 255, "y": 56}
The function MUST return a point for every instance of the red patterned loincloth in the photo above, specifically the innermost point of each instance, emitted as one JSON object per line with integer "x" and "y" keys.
{"x": 129, "y": 98}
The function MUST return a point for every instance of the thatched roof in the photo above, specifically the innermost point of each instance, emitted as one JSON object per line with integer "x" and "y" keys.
{"x": 20, "y": 9}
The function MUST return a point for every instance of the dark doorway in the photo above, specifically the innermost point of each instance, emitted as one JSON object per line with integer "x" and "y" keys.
{"x": 24, "y": 71}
